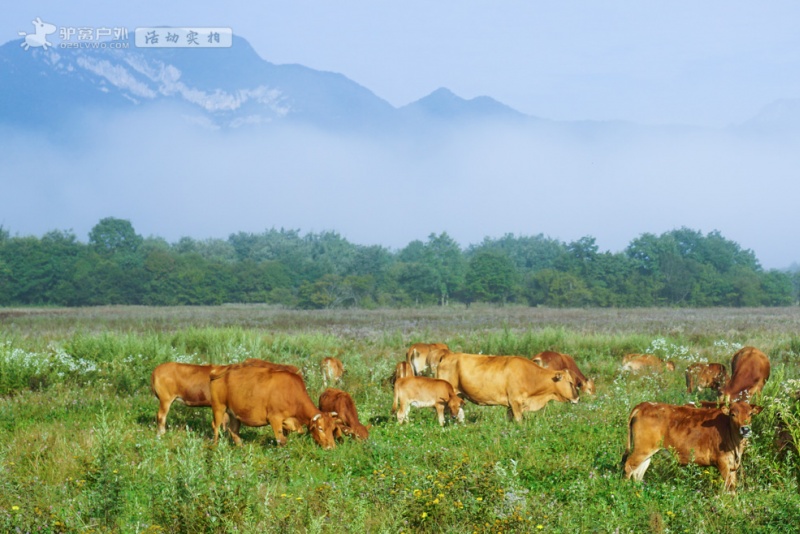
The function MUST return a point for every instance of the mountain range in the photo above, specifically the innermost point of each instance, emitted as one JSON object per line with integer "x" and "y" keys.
{"x": 223, "y": 87}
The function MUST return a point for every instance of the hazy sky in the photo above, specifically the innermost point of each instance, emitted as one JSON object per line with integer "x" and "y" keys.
{"x": 708, "y": 64}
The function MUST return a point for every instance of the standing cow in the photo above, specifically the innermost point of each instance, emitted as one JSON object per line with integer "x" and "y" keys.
{"x": 190, "y": 384}
{"x": 750, "y": 369}
{"x": 703, "y": 436}
{"x": 421, "y": 391}
{"x": 702, "y": 376}
{"x": 510, "y": 381}
{"x": 332, "y": 370}
{"x": 256, "y": 396}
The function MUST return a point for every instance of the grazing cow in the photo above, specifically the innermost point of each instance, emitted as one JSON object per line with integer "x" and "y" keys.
{"x": 257, "y": 396}
{"x": 749, "y": 371}
{"x": 189, "y": 383}
{"x": 421, "y": 391}
{"x": 705, "y": 375}
{"x": 703, "y": 436}
{"x": 510, "y": 381}
{"x": 424, "y": 356}
{"x": 556, "y": 361}
{"x": 332, "y": 370}
{"x": 645, "y": 362}
{"x": 340, "y": 402}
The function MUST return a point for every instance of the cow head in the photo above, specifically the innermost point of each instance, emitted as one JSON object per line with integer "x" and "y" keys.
{"x": 454, "y": 404}
{"x": 588, "y": 387}
{"x": 565, "y": 385}
{"x": 740, "y": 414}
{"x": 321, "y": 427}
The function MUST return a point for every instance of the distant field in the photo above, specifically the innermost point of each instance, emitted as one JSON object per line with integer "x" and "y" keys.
{"x": 78, "y": 450}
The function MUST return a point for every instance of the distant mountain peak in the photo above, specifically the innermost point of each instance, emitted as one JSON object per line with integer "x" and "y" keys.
{"x": 445, "y": 104}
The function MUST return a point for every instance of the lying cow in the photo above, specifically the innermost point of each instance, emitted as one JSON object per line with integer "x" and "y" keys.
{"x": 703, "y": 436}
{"x": 421, "y": 391}
{"x": 645, "y": 362}
{"x": 700, "y": 376}
{"x": 556, "y": 361}
{"x": 332, "y": 370}
{"x": 257, "y": 396}
{"x": 510, "y": 381}
{"x": 749, "y": 371}
{"x": 341, "y": 403}
{"x": 423, "y": 356}
{"x": 189, "y": 383}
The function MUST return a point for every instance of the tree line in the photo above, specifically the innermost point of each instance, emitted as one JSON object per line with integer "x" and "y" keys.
{"x": 681, "y": 268}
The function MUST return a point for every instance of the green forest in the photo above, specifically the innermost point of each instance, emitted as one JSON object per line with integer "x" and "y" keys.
{"x": 679, "y": 268}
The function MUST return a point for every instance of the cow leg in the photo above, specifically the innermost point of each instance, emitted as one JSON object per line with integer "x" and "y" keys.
{"x": 402, "y": 412}
{"x": 515, "y": 411}
{"x": 234, "y": 423}
{"x": 728, "y": 475}
{"x": 161, "y": 417}
{"x": 219, "y": 415}
{"x": 440, "y": 413}
{"x": 277, "y": 428}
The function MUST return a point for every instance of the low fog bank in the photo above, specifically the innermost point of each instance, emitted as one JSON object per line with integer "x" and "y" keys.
{"x": 173, "y": 177}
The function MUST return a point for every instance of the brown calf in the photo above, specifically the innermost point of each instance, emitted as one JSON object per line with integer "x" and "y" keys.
{"x": 702, "y": 376}
{"x": 421, "y": 391}
{"x": 340, "y": 402}
{"x": 703, "y": 436}
{"x": 749, "y": 371}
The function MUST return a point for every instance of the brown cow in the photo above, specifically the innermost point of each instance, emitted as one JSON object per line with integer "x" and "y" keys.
{"x": 510, "y": 381}
{"x": 421, "y": 391}
{"x": 340, "y": 402}
{"x": 189, "y": 383}
{"x": 257, "y": 396}
{"x": 645, "y": 362}
{"x": 402, "y": 370}
{"x": 703, "y": 436}
{"x": 332, "y": 370}
{"x": 749, "y": 371}
{"x": 424, "y": 356}
{"x": 705, "y": 375}
{"x": 556, "y": 361}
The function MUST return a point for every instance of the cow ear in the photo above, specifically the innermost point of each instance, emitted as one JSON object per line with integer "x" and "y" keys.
{"x": 756, "y": 409}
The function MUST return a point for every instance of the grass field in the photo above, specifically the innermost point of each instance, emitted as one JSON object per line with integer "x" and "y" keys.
{"x": 79, "y": 452}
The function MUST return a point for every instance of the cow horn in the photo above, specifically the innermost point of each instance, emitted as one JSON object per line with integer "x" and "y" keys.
{"x": 313, "y": 419}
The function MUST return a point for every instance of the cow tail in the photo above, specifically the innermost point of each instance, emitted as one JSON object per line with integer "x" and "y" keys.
{"x": 628, "y": 443}
{"x": 394, "y": 403}
{"x": 219, "y": 373}
{"x": 412, "y": 359}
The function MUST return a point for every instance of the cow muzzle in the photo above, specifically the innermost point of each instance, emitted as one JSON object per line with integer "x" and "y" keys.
{"x": 745, "y": 431}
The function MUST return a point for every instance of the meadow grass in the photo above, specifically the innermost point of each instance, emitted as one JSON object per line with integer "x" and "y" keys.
{"x": 79, "y": 452}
